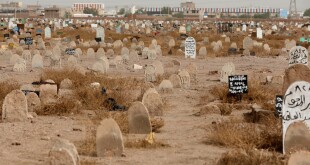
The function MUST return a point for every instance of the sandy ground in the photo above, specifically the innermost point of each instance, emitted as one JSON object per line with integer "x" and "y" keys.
{"x": 185, "y": 133}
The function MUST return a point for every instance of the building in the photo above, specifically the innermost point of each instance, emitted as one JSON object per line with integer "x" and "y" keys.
{"x": 33, "y": 10}
{"x": 11, "y": 5}
{"x": 52, "y": 12}
{"x": 188, "y": 4}
{"x": 79, "y": 7}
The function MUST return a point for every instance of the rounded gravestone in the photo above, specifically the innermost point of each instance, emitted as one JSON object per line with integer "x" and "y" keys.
{"x": 139, "y": 120}
{"x": 33, "y": 102}
{"x": 37, "y": 61}
{"x": 165, "y": 85}
{"x": 153, "y": 103}
{"x": 247, "y": 43}
{"x": 63, "y": 153}
{"x": 185, "y": 79}
{"x": 175, "y": 80}
{"x": 150, "y": 73}
{"x": 109, "y": 139}
{"x": 202, "y": 52}
{"x": 297, "y": 138}
{"x": 299, "y": 158}
{"x": 14, "y": 107}
{"x": 66, "y": 84}
{"x": 159, "y": 68}
{"x": 297, "y": 72}
{"x": 98, "y": 67}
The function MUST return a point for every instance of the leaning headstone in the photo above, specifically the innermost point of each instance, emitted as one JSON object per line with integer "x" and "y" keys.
{"x": 150, "y": 73}
{"x": 139, "y": 120}
{"x": 153, "y": 103}
{"x": 298, "y": 55}
{"x": 37, "y": 61}
{"x": 190, "y": 48}
{"x": 63, "y": 152}
{"x": 175, "y": 80}
{"x": 14, "y": 108}
{"x": 296, "y": 109}
{"x": 297, "y": 72}
{"x": 227, "y": 70}
{"x": 109, "y": 139}
{"x": 185, "y": 79}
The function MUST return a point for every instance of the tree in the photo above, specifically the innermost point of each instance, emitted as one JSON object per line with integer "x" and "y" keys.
{"x": 67, "y": 15}
{"x": 178, "y": 15}
{"x": 121, "y": 11}
{"x": 166, "y": 10}
{"x": 140, "y": 11}
{"x": 307, "y": 12}
{"x": 262, "y": 16}
{"x": 92, "y": 11}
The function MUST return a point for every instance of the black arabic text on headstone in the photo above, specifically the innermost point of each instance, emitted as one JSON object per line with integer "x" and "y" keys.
{"x": 238, "y": 84}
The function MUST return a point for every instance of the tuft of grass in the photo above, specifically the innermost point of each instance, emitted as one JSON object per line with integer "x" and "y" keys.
{"x": 250, "y": 157}
{"x": 248, "y": 135}
{"x": 63, "y": 107}
{"x": 157, "y": 123}
{"x": 261, "y": 94}
{"x": 144, "y": 144}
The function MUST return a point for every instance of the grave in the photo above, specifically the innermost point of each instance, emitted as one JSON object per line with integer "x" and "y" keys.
{"x": 185, "y": 79}
{"x": 190, "y": 48}
{"x": 153, "y": 102}
{"x": 14, "y": 107}
{"x": 139, "y": 120}
{"x": 109, "y": 139}
{"x": 298, "y": 55}
{"x": 150, "y": 73}
{"x": 63, "y": 152}
{"x": 227, "y": 70}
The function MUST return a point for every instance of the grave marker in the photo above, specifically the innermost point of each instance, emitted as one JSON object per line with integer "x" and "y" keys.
{"x": 238, "y": 84}
{"x": 279, "y": 104}
{"x": 298, "y": 55}
{"x": 190, "y": 48}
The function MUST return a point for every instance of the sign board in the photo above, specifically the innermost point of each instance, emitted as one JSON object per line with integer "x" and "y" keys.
{"x": 28, "y": 41}
{"x": 238, "y": 84}
{"x": 296, "y": 106}
{"x": 190, "y": 48}
{"x": 70, "y": 51}
{"x": 278, "y": 105}
{"x": 298, "y": 55}
{"x": 94, "y": 25}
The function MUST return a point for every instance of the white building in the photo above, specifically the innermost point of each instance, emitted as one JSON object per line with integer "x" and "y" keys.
{"x": 79, "y": 7}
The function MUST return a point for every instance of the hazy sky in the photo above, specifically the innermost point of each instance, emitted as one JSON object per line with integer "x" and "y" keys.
{"x": 301, "y": 4}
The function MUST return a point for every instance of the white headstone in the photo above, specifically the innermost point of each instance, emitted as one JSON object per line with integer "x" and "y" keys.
{"x": 298, "y": 55}
{"x": 100, "y": 33}
{"x": 47, "y": 33}
{"x": 190, "y": 48}
{"x": 296, "y": 106}
{"x": 259, "y": 33}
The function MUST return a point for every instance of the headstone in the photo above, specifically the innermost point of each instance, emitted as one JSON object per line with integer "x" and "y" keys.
{"x": 66, "y": 84}
{"x": 297, "y": 72}
{"x": 37, "y": 61}
{"x": 33, "y": 102}
{"x": 153, "y": 103}
{"x": 48, "y": 94}
{"x": 299, "y": 158}
{"x": 159, "y": 68}
{"x": 185, "y": 79}
{"x": 100, "y": 33}
{"x": 14, "y": 108}
{"x": 192, "y": 70}
{"x": 151, "y": 54}
{"x": 227, "y": 70}
{"x": 90, "y": 53}
{"x": 150, "y": 73}
{"x": 98, "y": 67}
{"x": 295, "y": 109}
{"x": 259, "y": 33}
{"x": 20, "y": 66}
{"x": 298, "y": 55}
{"x": 182, "y": 30}
{"x": 202, "y": 52}
{"x": 63, "y": 152}
{"x": 238, "y": 84}
{"x": 165, "y": 86}
{"x": 175, "y": 80}
{"x": 72, "y": 61}
{"x": 48, "y": 34}
{"x": 190, "y": 48}
{"x": 227, "y": 39}
{"x": 244, "y": 28}
{"x": 247, "y": 43}
{"x": 109, "y": 139}
{"x": 139, "y": 120}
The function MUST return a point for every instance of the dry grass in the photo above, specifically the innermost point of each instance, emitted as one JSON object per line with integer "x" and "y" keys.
{"x": 62, "y": 107}
{"x": 144, "y": 144}
{"x": 250, "y": 157}
{"x": 258, "y": 93}
{"x": 118, "y": 88}
{"x": 157, "y": 123}
{"x": 88, "y": 162}
{"x": 6, "y": 88}
{"x": 248, "y": 135}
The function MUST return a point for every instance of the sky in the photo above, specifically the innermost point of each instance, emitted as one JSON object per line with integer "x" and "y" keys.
{"x": 301, "y": 4}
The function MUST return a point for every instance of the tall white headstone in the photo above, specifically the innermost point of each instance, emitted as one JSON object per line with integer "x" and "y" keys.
{"x": 259, "y": 33}
{"x": 296, "y": 106}
{"x": 100, "y": 33}
{"x": 190, "y": 48}
{"x": 47, "y": 32}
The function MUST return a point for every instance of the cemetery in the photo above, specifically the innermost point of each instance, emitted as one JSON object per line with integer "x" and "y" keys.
{"x": 109, "y": 91}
